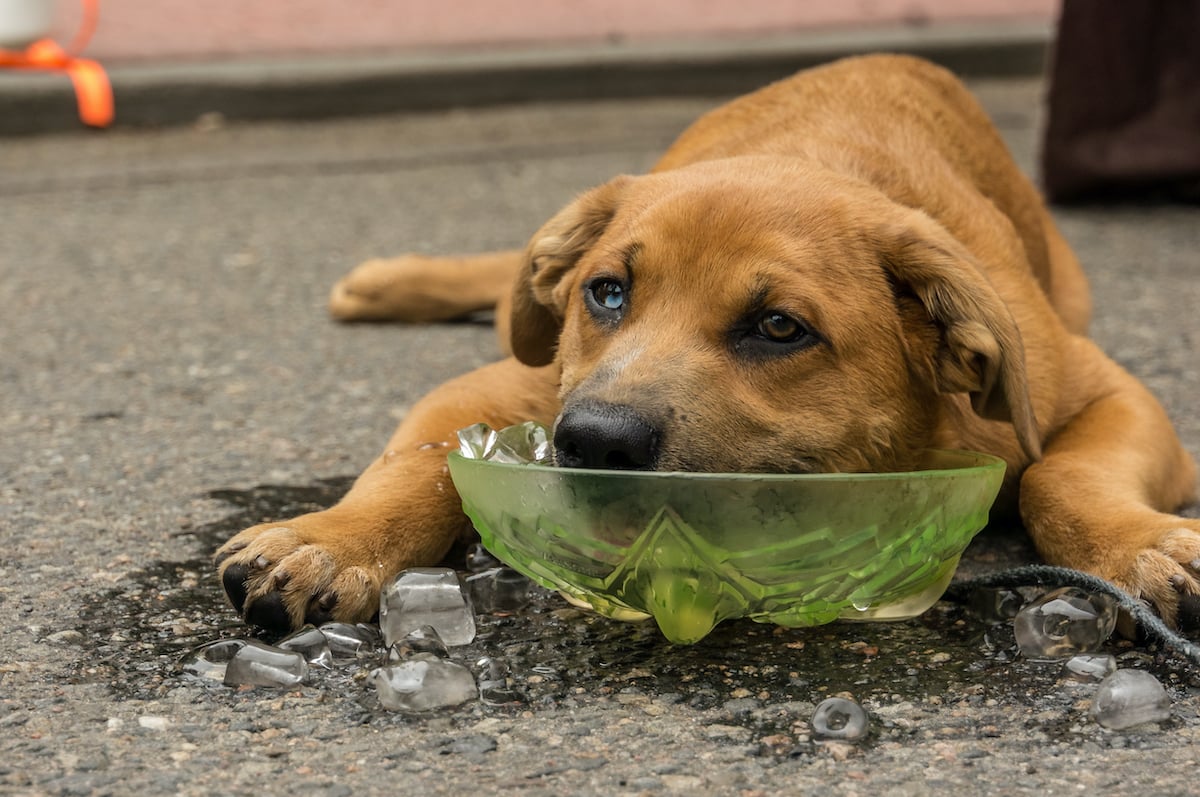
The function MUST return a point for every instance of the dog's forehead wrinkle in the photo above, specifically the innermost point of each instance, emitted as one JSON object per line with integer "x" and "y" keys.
{"x": 630, "y": 255}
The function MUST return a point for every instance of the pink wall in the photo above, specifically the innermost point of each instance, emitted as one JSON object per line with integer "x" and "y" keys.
{"x": 175, "y": 29}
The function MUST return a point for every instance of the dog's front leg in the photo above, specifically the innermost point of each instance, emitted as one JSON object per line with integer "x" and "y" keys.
{"x": 401, "y": 512}
{"x": 420, "y": 289}
{"x": 1102, "y": 497}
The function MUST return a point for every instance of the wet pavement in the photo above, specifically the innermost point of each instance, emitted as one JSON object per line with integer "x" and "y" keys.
{"x": 170, "y": 377}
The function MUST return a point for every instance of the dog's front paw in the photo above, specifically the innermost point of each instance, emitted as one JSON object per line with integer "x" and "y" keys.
{"x": 308, "y": 570}
{"x": 1167, "y": 570}
{"x": 374, "y": 291}
{"x": 410, "y": 288}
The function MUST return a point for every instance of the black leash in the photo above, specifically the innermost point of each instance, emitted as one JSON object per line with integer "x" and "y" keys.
{"x": 1046, "y": 576}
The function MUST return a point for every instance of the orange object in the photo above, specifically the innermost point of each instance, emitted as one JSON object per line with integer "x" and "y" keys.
{"x": 93, "y": 91}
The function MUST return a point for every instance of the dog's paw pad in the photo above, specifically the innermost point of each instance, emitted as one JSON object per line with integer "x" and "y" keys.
{"x": 269, "y": 611}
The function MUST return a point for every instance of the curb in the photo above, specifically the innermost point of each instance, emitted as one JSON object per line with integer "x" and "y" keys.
{"x": 321, "y": 87}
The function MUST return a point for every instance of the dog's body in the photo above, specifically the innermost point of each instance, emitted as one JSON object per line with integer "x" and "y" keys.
{"x": 832, "y": 273}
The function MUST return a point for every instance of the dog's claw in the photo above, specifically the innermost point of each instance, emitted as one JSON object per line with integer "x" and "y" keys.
{"x": 234, "y": 580}
{"x": 321, "y": 609}
{"x": 1189, "y": 613}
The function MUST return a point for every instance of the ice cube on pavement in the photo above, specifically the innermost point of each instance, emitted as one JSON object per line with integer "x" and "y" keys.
{"x": 426, "y": 596}
{"x": 422, "y": 683}
{"x": 1130, "y": 697}
{"x": 424, "y": 639}
{"x": 210, "y": 660}
{"x": 1065, "y": 622}
{"x": 995, "y": 605}
{"x": 839, "y": 718}
{"x": 311, "y": 643}
{"x": 350, "y": 640}
{"x": 1090, "y": 667}
{"x": 257, "y": 664}
{"x": 495, "y": 685}
{"x": 498, "y": 590}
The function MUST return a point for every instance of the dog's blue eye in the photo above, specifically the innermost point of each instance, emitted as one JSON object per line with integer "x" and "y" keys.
{"x": 608, "y": 294}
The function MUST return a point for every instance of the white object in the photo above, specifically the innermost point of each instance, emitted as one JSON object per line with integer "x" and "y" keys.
{"x": 23, "y": 22}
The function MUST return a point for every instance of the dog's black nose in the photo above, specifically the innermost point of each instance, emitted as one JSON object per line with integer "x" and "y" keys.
{"x": 605, "y": 436}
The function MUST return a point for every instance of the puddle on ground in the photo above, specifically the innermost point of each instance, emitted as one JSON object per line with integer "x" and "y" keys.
{"x": 136, "y": 633}
{"x": 946, "y": 664}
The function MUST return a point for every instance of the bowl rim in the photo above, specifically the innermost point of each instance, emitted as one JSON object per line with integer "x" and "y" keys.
{"x": 974, "y": 462}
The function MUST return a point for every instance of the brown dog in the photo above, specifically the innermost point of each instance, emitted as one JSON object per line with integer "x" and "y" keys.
{"x": 831, "y": 273}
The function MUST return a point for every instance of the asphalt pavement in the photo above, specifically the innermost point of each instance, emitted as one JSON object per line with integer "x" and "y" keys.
{"x": 169, "y": 375}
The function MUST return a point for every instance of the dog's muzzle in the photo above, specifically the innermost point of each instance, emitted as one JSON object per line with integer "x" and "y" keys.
{"x": 614, "y": 436}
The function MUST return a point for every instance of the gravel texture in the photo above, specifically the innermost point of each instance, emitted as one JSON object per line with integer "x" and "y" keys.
{"x": 169, "y": 376}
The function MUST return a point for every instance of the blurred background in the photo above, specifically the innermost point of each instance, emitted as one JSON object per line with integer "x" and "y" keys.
{"x": 171, "y": 62}
{"x": 172, "y": 30}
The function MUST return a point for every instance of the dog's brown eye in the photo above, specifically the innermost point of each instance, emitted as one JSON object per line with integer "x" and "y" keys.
{"x": 780, "y": 328}
{"x": 771, "y": 333}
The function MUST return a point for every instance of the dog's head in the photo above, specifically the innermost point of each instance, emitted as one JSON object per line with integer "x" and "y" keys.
{"x": 750, "y": 316}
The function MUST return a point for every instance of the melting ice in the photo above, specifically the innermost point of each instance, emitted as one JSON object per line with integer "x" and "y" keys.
{"x": 839, "y": 718}
{"x": 423, "y": 596}
{"x": 1064, "y": 622}
{"x": 1130, "y": 697}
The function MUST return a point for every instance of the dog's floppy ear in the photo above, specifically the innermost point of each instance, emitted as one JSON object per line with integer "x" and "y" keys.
{"x": 981, "y": 352}
{"x": 539, "y": 293}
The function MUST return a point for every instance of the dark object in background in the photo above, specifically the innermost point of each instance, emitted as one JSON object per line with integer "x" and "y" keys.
{"x": 1124, "y": 106}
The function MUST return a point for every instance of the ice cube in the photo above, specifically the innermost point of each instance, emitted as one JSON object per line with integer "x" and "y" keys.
{"x": 839, "y": 718}
{"x": 422, "y": 683}
{"x": 209, "y": 661}
{"x": 499, "y": 590}
{"x": 1130, "y": 697}
{"x": 995, "y": 605}
{"x": 257, "y": 664}
{"x": 495, "y": 685}
{"x": 311, "y": 643}
{"x": 420, "y": 640}
{"x": 476, "y": 441}
{"x": 426, "y": 596}
{"x": 1090, "y": 667}
{"x": 523, "y": 443}
{"x": 1065, "y": 622}
{"x": 350, "y": 641}
{"x": 508, "y": 447}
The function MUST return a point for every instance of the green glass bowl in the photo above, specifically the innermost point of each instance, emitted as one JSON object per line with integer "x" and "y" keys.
{"x": 692, "y": 549}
